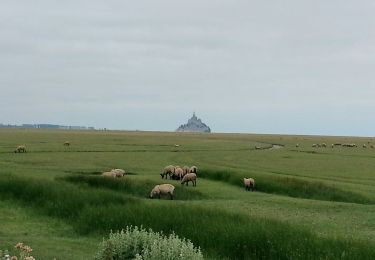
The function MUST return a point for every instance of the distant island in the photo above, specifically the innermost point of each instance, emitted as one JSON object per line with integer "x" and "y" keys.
{"x": 194, "y": 124}
{"x": 46, "y": 126}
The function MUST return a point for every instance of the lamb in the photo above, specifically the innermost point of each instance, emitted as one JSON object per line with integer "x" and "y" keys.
{"x": 118, "y": 172}
{"x": 189, "y": 177}
{"x": 193, "y": 169}
{"x": 249, "y": 183}
{"x": 20, "y": 149}
{"x": 162, "y": 189}
{"x": 168, "y": 170}
{"x": 66, "y": 143}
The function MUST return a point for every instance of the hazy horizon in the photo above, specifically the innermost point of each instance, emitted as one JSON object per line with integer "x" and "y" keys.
{"x": 286, "y": 67}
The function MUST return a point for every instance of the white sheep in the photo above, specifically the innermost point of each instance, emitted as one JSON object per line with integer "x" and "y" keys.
{"x": 249, "y": 183}
{"x": 162, "y": 189}
{"x": 66, "y": 143}
{"x": 168, "y": 170}
{"x": 20, "y": 149}
{"x": 189, "y": 177}
{"x": 119, "y": 172}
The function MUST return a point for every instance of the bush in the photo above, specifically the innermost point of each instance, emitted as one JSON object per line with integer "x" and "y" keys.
{"x": 137, "y": 243}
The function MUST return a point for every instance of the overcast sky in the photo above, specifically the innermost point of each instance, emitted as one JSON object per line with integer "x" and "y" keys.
{"x": 297, "y": 67}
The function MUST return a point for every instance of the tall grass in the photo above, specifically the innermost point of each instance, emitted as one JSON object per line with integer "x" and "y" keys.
{"x": 220, "y": 234}
{"x": 289, "y": 186}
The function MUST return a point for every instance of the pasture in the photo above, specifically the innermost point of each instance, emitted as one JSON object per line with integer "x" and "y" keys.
{"x": 308, "y": 203}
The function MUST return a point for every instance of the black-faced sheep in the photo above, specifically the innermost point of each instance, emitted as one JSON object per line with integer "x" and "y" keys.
{"x": 168, "y": 170}
{"x": 20, "y": 149}
{"x": 189, "y": 177}
{"x": 162, "y": 189}
{"x": 249, "y": 183}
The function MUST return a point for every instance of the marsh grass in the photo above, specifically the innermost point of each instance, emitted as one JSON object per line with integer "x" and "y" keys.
{"x": 289, "y": 186}
{"x": 220, "y": 234}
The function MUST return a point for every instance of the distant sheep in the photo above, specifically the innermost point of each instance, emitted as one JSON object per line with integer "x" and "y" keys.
{"x": 314, "y": 145}
{"x": 168, "y": 170}
{"x": 119, "y": 172}
{"x": 186, "y": 169}
{"x": 297, "y": 145}
{"x": 323, "y": 145}
{"x": 193, "y": 169}
{"x": 20, "y": 149}
{"x": 109, "y": 174}
{"x": 190, "y": 177}
{"x": 176, "y": 145}
{"x": 178, "y": 173}
{"x": 257, "y": 147}
{"x": 162, "y": 189}
{"x": 364, "y": 146}
{"x": 249, "y": 183}
{"x": 66, "y": 143}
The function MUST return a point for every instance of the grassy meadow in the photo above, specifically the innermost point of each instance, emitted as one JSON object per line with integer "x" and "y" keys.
{"x": 309, "y": 203}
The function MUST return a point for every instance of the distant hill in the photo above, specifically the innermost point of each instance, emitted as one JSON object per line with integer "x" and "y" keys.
{"x": 194, "y": 124}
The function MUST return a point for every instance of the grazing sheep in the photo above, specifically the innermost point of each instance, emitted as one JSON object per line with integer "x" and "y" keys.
{"x": 178, "y": 174}
{"x": 332, "y": 146}
{"x": 186, "y": 169}
{"x": 314, "y": 145}
{"x": 109, "y": 174}
{"x": 364, "y": 146}
{"x": 168, "y": 170}
{"x": 189, "y": 177}
{"x": 249, "y": 183}
{"x": 66, "y": 143}
{"x": 162, "y": 189}
{"x": 176, "y": 145}
{"x": 119, "y": 172}
{"x": 324, "y": 145}
{"x": 297, "y": 145}
{"x": 257, "y": 147}
{"x": 20, "y": 149}
{"x": 193, "y": 169}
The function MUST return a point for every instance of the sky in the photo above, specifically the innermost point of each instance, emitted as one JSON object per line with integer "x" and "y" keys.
{"x": 283, "y": 67}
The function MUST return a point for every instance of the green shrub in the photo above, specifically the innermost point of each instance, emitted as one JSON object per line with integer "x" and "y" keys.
{"x": 138, "y": 243}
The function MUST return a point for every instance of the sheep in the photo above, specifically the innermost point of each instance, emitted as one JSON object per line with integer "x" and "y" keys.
{"x": 118, "y": 172}
{"x": 162, "y": 189}
{"x": 186, "y": 169}
{"x": 109, "y": 174}
{"x": 193, "y": 169}
{"x": 168, "y": 170}
{"x": 332, "y": 146}
{"x": 314, "y": 145}
{"x": 257, "y": 147}
{"x": 66, "y": 143}
{"x": 249, "y": 183}
{"x": 189, "y": 177}
{"x": 20, "y": 149}
{"x": 176, "y": 145}
{"x": 324, "y": 145}
{"x": 178, "y": 173}
{"x": 297, "y": 145}
{"x": 364, "y": 146}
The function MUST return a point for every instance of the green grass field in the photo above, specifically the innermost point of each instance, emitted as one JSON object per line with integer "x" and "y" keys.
{"x": 309, "y": 203}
